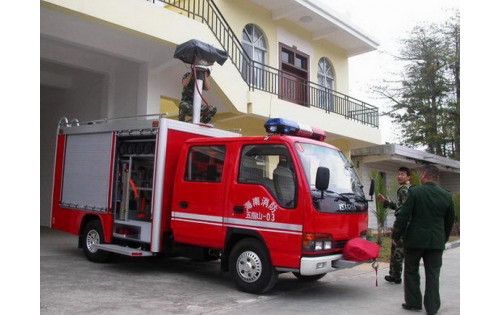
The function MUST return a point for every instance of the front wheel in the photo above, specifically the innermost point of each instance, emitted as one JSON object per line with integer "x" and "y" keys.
{"x": 92, "y": 234}
{"x": 251, "y": 267}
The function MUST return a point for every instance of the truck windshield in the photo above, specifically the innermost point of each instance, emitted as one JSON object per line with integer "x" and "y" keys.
{"x": 343, "y": 177}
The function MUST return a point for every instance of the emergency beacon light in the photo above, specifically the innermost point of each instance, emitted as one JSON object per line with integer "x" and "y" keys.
{"x": 280, "y": 126}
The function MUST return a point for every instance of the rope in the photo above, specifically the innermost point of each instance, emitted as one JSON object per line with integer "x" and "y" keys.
{"x": 375, "y": 266}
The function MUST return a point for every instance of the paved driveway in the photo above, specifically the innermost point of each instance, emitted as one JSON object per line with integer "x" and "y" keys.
{"x": 69, "y": 284}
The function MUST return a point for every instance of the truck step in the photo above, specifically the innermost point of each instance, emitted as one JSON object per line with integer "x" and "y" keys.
{"x": 134, "y": 252}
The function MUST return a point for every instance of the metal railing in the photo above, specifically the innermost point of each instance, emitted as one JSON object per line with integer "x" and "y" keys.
{"x": 263, "y": 77}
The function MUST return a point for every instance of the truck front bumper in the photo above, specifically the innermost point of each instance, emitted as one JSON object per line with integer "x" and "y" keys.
{"x": 310, "y": 266}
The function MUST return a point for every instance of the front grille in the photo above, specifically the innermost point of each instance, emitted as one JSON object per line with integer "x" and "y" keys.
{"x": 340, "y": 244}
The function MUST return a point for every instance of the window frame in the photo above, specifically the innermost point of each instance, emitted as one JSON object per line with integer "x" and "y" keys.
{"x": 214, "y": 165}
{"x": 270, "y": 158}
{"x": 255, "y": 43}
{"x": 325, "y": 95}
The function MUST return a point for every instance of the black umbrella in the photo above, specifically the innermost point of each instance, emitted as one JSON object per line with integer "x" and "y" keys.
{"x": 194, "y": 50}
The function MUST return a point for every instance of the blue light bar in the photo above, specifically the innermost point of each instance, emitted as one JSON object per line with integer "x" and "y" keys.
{"x": 280, "y": 126}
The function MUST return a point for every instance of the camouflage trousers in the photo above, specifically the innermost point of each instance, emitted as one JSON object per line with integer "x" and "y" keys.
{"x": 206, "y": 115}
{"x": 397, "y": 257}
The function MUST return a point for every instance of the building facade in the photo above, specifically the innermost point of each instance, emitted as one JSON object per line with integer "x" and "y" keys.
{"x": 115, "y": 58}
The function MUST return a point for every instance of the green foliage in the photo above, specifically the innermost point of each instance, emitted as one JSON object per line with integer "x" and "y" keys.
{"x": 392, "y": 190}
{"x": 380, "y": 212}
{"x": 415, "y": 178}
{"x": 385, "y": 249}
{"x": 426, "y": 97}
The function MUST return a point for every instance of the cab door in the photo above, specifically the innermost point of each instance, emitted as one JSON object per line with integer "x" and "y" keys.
{"x": 263, "y": 201}
{"x": 198, "y": 198}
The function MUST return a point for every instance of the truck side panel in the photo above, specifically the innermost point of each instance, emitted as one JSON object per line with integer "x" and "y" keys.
{"x": 82, "y": 186}
{"x": 175, "y": 142}
{"x": 200, "y": 192}
{"x": 178, "y": 134}
{"x": 58, "y": 220}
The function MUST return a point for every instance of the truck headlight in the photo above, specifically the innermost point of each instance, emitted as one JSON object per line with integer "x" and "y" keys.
{"x": 327, "y": 245}
{"x": 316, "y": 242}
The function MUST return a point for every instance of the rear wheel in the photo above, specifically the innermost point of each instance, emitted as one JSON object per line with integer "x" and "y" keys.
{"x": 251, "y": 267}
{"x": 92, "y": 234}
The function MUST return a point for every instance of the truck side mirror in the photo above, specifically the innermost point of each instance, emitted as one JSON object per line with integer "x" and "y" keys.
{"x": 372, "y": 188}
{"x": 322, "y": 178}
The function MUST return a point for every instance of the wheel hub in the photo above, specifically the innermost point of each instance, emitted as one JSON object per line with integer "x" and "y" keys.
{"x": 92, "y": 239}
{"x": 249, "y": 266}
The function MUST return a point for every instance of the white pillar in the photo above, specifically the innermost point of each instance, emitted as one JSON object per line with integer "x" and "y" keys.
{"x": 198, "y": 90}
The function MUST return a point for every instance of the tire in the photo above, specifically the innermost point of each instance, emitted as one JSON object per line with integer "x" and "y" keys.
{"x": 92, "y": 234}
{"x": 251, "y": 267}
{"x": 308, "y": 278}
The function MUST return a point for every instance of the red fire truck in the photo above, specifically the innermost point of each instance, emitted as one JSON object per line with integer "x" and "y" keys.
{"x": 263, "y": 205}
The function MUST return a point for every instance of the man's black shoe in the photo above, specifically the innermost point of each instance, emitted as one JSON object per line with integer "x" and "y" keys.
{"x": 392, "y": 279}
{"x": 409, "y": 308}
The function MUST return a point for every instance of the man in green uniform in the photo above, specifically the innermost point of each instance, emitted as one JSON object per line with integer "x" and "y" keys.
{"x": 425, "y": 220}
{"x": 397, "y": 250}
{"x": 186, "y": 103}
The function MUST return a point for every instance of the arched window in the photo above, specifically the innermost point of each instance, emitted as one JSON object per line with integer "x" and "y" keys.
{"x": 326, "y": 79}
{"x": 255, "y": 45}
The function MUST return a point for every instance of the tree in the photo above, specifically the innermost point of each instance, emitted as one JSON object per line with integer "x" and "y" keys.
{"x": 380, "y": 211}
{"x": 426, "y": 101}
{"x": 452, "y": 32}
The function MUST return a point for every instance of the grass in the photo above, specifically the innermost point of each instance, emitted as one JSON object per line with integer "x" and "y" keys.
{"x": 385, "y": 249}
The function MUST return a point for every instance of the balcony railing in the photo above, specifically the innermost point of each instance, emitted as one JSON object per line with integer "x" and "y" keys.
{"x": 263, "y": 77}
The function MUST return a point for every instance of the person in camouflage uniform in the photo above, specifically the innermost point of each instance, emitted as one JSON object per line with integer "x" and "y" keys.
{"x": 186, "y": 104}
{"x": 397, "y": 250}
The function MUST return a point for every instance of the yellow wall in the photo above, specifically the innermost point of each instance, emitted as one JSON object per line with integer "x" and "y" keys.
{"x": 343, "y": 145}
{"x": 240, "y": 13}
{"x": 169, "y": 106}
{"x": 144, "y": 19}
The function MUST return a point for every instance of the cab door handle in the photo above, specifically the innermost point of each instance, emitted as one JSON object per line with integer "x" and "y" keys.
{"x": 183, "y": 204}
{"x": 238, "y": 209}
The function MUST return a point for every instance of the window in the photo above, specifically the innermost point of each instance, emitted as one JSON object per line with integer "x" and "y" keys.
{"x": 286, "y": 56}
{"x": 301, "y": 62}
{"x": 270, "y": 166}
{"x": 205, "y": 164}
{"x": 254, "y": 44}
{"x": 294, "y": 75}
{"x": 326, "y": 81}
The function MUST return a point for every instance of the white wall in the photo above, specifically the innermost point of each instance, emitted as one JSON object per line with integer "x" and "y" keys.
{"x": 95, "y": 86}
{"x": 450, "y": 182}
{"x": 54, "y": 104}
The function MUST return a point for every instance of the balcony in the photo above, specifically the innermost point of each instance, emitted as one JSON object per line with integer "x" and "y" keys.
{"x": 262, "y": 77}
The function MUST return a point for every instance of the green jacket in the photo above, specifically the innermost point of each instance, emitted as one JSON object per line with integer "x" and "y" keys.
{"x": 426, "y": 218}
{"x": 402, "y": 195}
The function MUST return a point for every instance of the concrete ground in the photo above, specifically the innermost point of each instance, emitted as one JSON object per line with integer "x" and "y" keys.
{"x": 70, "y": 284}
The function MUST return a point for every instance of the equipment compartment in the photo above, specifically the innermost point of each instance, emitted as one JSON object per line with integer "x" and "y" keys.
{"x": 133, "y": 188}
